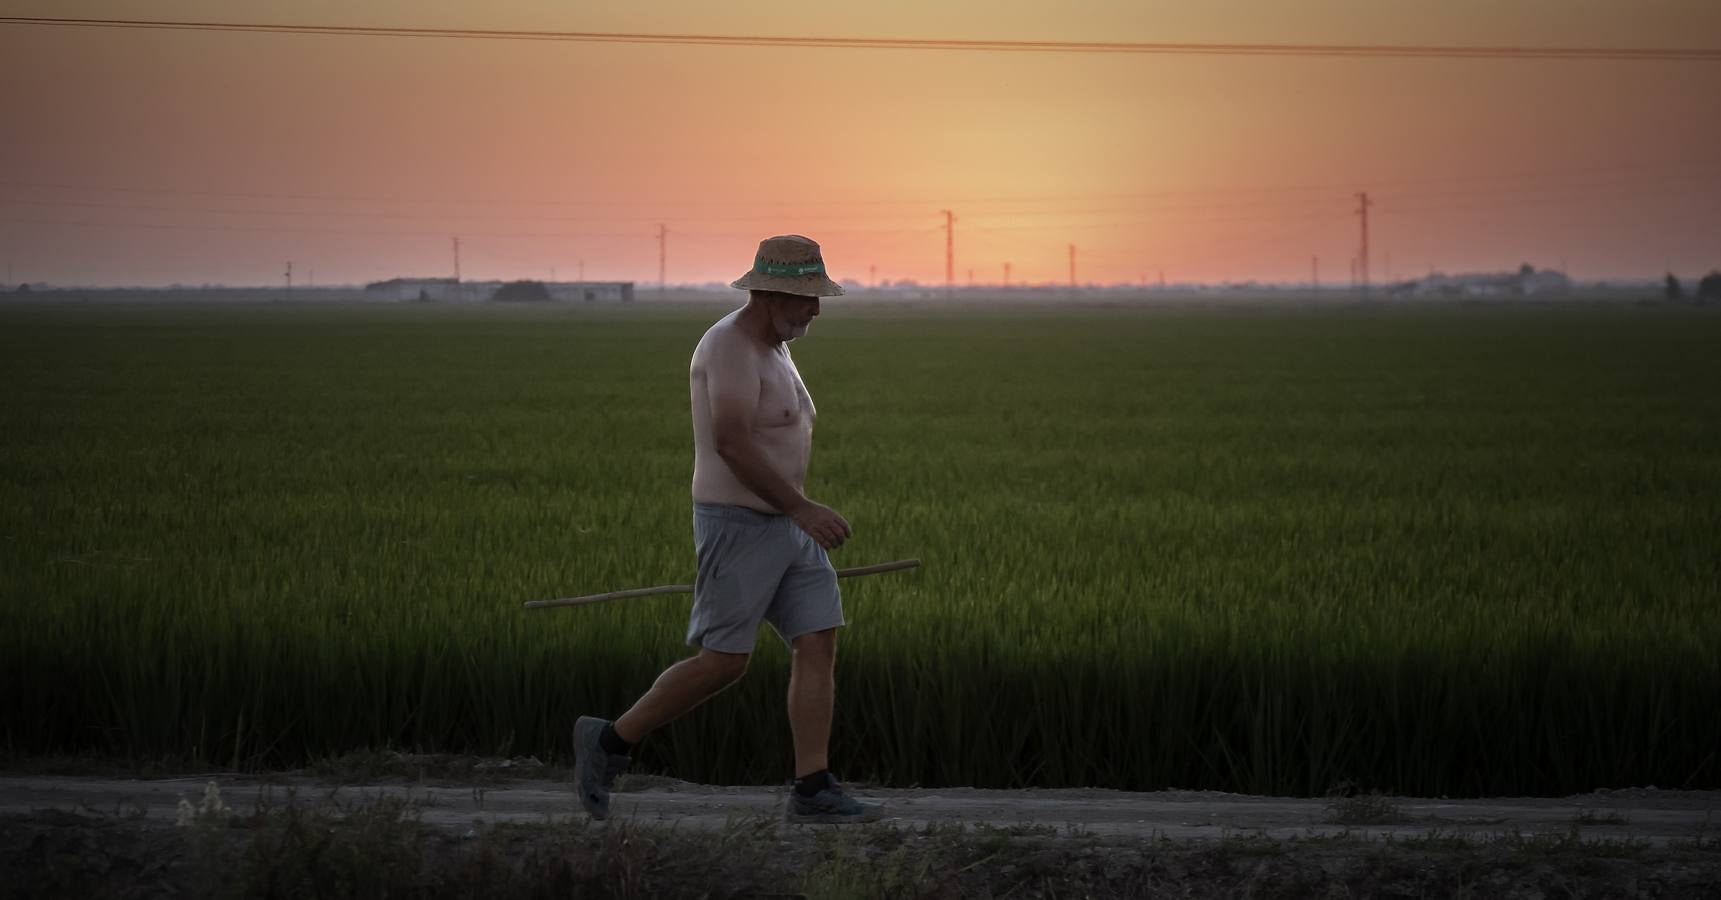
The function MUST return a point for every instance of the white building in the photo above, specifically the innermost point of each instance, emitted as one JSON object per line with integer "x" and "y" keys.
{"x": 591, "y": 291}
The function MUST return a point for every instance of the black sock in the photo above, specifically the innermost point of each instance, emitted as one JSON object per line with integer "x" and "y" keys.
{"x": 808, "y": 785}
{"x": 612, "y": 742}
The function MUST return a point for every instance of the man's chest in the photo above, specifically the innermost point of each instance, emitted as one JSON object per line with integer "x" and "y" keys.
{"x": 783, "y": 397}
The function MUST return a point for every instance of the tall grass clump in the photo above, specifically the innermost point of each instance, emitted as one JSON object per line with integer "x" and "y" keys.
{"x": 1423, "y": 550}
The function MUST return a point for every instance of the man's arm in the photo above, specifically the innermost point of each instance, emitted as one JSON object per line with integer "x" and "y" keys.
{"x": 732, "y": 384}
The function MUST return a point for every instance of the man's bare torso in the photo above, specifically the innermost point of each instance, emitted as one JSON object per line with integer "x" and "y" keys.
{"x": 782, "y": 425}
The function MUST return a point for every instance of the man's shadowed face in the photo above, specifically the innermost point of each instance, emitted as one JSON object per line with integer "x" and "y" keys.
{"x": 791, "y": 314}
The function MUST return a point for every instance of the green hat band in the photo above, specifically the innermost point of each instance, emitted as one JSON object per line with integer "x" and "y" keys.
{"x": 770, "y": 268}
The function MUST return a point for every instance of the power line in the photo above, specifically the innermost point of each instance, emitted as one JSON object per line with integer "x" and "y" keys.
{"x": 172, "y": 226}
{"x": 1674, "y": 171}
{"x": 1447, "y": 51}
{"x": 471, "y": 201}
{"x": 430, "y": 216}
{"x": 1327, "y": 211}
{"x": 1288, "y": 206}
{"x": 949, "y": 248}
{"x": 1336, "y": 211}
{"x": 1362, "y": 210}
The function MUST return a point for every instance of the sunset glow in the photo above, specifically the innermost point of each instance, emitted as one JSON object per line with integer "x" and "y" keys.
{"x": 151, "y": 157}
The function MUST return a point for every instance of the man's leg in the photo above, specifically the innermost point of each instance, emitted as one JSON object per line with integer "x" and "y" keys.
{"x": 812, "y": 693}
{"x": 681, "y": 687}
{"x": 817, "y": 797}
{"x": 678, "y": 690}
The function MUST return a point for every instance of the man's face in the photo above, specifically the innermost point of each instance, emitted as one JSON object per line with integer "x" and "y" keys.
{"x": 791, "y": 314}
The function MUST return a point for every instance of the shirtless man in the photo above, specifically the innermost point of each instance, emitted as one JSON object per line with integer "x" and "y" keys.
{"x": 760, "y": 540}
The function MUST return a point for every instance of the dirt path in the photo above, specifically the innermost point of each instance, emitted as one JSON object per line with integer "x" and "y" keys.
{"x": 1648, "y": 815}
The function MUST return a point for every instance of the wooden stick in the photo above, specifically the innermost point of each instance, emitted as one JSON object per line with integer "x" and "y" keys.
{"x": 873, "y": 569}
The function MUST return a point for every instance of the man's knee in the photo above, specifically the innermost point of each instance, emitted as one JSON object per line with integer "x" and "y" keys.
{"x": 816, "y": 645}
{"x": 723, "y": 669}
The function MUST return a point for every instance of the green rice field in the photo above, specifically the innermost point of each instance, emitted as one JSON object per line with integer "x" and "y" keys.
{"x": 1430, "y": 549}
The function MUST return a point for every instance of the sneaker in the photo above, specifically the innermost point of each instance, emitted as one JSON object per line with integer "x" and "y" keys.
{"x": 830, "y": 806}
{"x": 594, "y": 770}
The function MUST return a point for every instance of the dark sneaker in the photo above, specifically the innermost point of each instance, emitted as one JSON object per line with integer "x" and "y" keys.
{"x": 594, "y": 770}
{"x": 830, "y": 806}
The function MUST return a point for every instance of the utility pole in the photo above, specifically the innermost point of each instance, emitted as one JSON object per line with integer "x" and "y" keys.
{"x": 1315, "y": 271}
{"x": 289, "y": 276}
{"x": 1006, "y": 274}
{"x": 662, "y": 254}
{"x": 949, "y": 250}
{"x": 1362, "y": 267}
{"x": 1072, "y": 267}
{"x": 456, "y": 260}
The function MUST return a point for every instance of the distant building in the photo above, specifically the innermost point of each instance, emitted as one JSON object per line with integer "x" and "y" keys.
{"x": 442, "y": 290}
{"x": 591, "y": 291}
{"x": 448, "y": 290}
{"x": 1542, "y": 281}
{"x": 1527, "y": 281}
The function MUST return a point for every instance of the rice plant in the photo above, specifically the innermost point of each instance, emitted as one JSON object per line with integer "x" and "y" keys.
{"x": 1425, "y": 550}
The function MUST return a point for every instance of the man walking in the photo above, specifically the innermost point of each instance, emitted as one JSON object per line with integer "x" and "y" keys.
{"x": 760, "y": 541}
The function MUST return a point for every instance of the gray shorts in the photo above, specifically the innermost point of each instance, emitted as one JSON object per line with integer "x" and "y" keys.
{"x": 755, "y": 567}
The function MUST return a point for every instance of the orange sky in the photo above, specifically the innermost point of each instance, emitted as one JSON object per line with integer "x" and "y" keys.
{"x": 140, "y": 157}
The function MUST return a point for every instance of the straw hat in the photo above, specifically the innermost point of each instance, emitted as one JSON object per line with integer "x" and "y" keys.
{"x": 790, "y": 264}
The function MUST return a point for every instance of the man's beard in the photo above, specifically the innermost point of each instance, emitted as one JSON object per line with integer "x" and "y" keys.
{"x": 789, "y": 332}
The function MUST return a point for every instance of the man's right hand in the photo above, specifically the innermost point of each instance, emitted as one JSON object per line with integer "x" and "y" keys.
{"x": 822, "y": 523}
